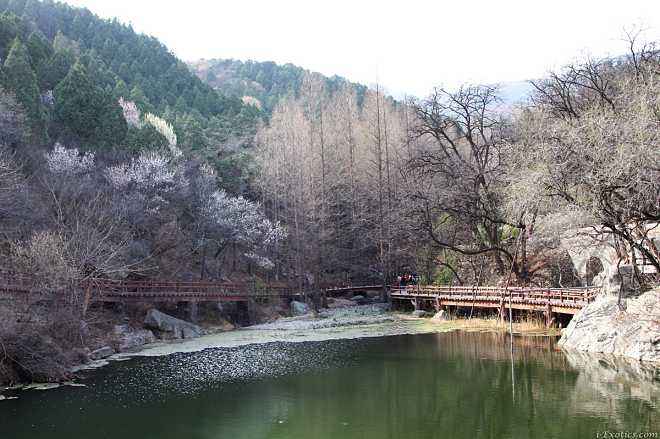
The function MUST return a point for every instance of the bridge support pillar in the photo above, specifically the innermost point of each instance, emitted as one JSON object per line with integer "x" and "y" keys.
{"x": 252, "y": 311}
{"x": 549, "y": 316}
{"x": 193, "y": 311}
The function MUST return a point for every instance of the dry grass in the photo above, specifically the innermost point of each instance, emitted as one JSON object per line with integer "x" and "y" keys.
{"x": 525, "y": 325}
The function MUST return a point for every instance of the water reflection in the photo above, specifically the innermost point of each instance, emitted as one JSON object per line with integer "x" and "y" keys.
{"x": 452, "y": 385}
{"x": 608, "y": 384}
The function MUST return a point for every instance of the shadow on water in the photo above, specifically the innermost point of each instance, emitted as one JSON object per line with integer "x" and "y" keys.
{"x": 450, "y": 385}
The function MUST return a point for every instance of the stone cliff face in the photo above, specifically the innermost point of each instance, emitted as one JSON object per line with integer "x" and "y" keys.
{"x": 602, "y": 327}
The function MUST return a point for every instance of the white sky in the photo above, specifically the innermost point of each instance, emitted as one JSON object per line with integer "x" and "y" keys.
{"x": 408, "y": 45}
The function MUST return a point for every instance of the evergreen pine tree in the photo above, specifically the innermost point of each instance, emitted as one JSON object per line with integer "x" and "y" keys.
{"x": 111, "y": 127}
{"x": 121, "y": 90}
{"x": 22, "y": 81}
{"x": 10, "y": 28}
{"x": 87, "y": 111}
{"x": 76, "y": 102}
{"x": 57, "y": 68}
{"x": 40, "y": 52}
{"x": 138, "y": 96}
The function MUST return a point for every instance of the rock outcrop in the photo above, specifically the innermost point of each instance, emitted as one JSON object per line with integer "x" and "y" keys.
{"x": 299, "y": 308}
{"x": 602, "y": 327}
{"x": 129, "y": 338}
{"x": 171, "y": 327}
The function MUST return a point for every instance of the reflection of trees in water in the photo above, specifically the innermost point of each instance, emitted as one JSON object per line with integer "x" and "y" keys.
{"x": 616, "y": 386}
{"x": 451, "y": 385}
{"x": 455, "y": 385}
{"x": 495, "y": 346}
{"x": 463, "y": 385}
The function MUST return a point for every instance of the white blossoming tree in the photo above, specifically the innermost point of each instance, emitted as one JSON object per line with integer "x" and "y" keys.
{"x": 235, "y": 222}
{"x": 167, "y": 131}
{"x": 161, "y": 201}
{"x": 131, "y": 113}
{"x": 69, "y": 161}
{"x": 134, "y": 119}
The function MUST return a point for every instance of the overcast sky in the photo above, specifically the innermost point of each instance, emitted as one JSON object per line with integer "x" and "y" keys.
{"x": 408, "y": 45}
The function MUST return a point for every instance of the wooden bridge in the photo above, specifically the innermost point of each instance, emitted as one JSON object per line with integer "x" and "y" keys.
{"x": 547, "y": 300}
{"x": 107, "y": 290}
{"x": 550, "y": 301}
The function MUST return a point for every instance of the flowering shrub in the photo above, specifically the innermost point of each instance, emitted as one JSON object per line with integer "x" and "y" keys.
{"x": 149, "y": 171}
{"x": 241, "y": 221}
{"x": 69, "y": 161}
{"x": 133, "y": 117}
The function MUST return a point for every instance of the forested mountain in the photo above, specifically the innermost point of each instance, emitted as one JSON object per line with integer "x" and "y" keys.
{"x": 68, "y": 68}
{"x": 355, "y": 176}
{"x": 267, "y": 82}
{"x": 106, "y": 138}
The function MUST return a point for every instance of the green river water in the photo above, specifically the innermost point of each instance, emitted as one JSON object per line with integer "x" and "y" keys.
{"x": 446, "y": 385}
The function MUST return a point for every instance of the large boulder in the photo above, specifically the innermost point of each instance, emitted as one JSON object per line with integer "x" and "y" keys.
{"x": 129, "y": 338}
{"x": 299, "y": 308}
{"x": 419, "y": 313}
{"x": 171, "y": 327}
{"x": 630, "y": 331}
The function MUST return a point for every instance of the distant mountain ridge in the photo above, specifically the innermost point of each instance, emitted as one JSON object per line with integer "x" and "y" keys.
{"x": 267, "y": 82}
{"x": 264, "y": 84}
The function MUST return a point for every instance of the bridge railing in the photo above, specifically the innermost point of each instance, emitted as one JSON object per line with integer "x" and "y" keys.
{"x": 517, "y": 294}
{"x": 106, "y": 287}
{"x": 17, "y": 283}
{"x": 352, "y": 288}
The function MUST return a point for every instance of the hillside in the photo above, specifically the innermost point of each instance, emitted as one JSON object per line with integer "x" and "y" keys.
{"x": 43, "y": 43}
{"x": 267, "y": 82}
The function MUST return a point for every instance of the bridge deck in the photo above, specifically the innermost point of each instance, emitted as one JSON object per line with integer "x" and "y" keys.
{"x": 564, "y": 300}
{"x": 559, "y": 300}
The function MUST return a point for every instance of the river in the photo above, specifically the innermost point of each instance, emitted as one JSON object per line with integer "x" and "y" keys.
{"x": 421, "y": 385}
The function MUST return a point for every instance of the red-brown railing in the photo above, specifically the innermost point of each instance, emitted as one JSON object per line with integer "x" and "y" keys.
{"x": 569, "y": 297}
{"x": 152, "y": 290}
{"x": 117, "y": 290}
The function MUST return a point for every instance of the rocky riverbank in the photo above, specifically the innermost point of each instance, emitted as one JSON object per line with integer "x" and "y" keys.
{"x": 126, "y": 330}
{"x": 632, "y": 330}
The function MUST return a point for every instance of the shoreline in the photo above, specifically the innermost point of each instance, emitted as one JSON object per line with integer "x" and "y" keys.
{"x": 353, "y": 322}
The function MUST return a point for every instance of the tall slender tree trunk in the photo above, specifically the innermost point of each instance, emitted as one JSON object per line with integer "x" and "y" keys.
{"x": 381, "y": 210}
